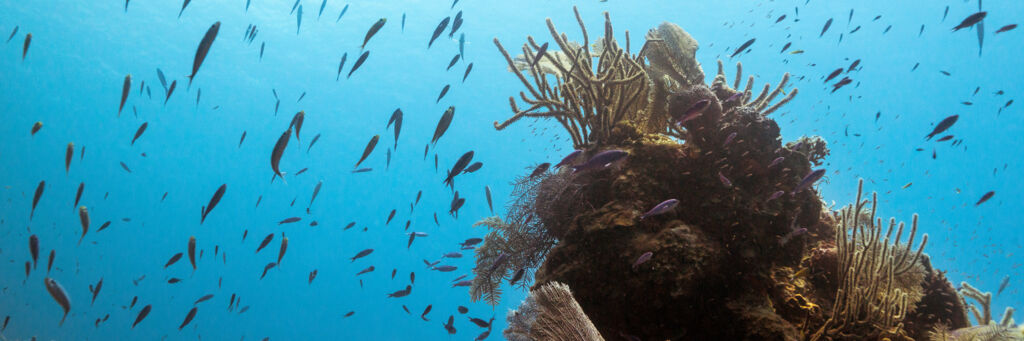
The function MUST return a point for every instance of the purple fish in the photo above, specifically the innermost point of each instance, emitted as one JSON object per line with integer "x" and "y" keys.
{"x": 694, "y": 111}
{"x": 401, "y": 293}
{"x": 462, "y": 284}
{"x": 809, "y": 180}
{"x": 445, "y": 268}
{"x": 734, "y": 97}
{"x": 498, "y": 262}
{"x": 569, "y": 158}
{"x": 775, "y": 195}
{"x": 775, "y": 162}
{"x": 725, "y": 181}
{"x": 642, "y": 259}
{"x": 601, "y": 160}
{"x": 661, "y": 208}
{"x": 729, "y": 139}
{"x": 796, "y": 232}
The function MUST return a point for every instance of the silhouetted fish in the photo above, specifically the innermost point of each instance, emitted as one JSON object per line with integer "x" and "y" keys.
{"x": 60, "y": 295}
{"x": 743, "y": 47}
{"x": 970, "y": 20}
{"x": 372, "y": 31}
{"x": 204, "y": 48}
{"x": 442, "y": 125}
{"x": 213, "y": 202}
{"x": 125, "y": 89}
{"x": 358, "y": 63}
{"x": 437, "y": 31}
{"x": 369, "y": 149}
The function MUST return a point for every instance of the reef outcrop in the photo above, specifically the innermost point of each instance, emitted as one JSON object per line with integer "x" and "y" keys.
{"x": 746, "y": 251}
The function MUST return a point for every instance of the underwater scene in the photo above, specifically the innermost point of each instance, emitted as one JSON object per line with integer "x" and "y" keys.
{"x": 511, "y": 170}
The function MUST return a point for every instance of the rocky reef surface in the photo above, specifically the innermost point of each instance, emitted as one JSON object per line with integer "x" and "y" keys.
{"x": 741, "y": 246}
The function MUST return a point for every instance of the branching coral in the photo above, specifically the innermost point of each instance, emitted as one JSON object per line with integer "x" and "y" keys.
{"x": 987, "y": 329}
{"x": 814, "y": 147}
{"x": 519, "y": 242}
{"x": 587, "y": 99}
{"x": 550, "y": 313}
{"x": 759, "y": 103}
{"x": 868, "y": 273}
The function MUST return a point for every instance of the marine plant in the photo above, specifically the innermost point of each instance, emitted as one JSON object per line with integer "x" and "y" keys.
{"x": 550, "y": 313}
{"x": 517, "y": 243}
{"x": 585, "y": 97}
{"x": 873, "y": 291}
{"x": 986, "y": 329}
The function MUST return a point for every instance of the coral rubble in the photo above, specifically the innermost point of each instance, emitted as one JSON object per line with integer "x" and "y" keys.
{"x": 749, "y": 252}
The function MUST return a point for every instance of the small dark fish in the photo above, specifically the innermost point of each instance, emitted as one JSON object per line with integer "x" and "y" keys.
{"x": 832, "y": 75}
{"x": 266, "y": 240}
{"x": 279, "y": 147}
{"x": 920, "y": 31}
{"x": 887, "y": 28}
{"x": 298, "y": 21}
{"x": 312, "y": 276}
{"x": 463, "y": 310}
{"x": 125, "y": 89}
{"x": 173, "y": 280}
{"x": 297, "y": 122}
{"x": 36, "y": 197}
{"x": 170, "y": 91}
{"x": 343, "y": 10}
{"x": 138, "y": 132}
{"x": 541, "y": 169}
{"x": 369, "y": 149}
{"x": 33, "y": 248}
{"x": 289, "y": 220}
{"x": 985, "y": 198}
{"x": 437, "y": 31}
{"x": 454, "y": 60}
{"x": 970, "y": 20}
{"x": 59, "y": 294}
{"x": 473, "y": 167}
{"x": 396, "y": 119}
{"x": 809, "y": 180}
{"x": 68, "y": 154}
{"x": 517, "y": 276}
{"x": 36, "y": 127}
{"x": 945, "y": 138}
{"x": 601, "y": 160}
{"x": 466, "y": 74}
{"x": 362, "y": 170}
{"x": 192, "y": 251}
{"x": 1002, "y": 285}
{"x": 780, "y": 19}
{"x": 83, "y": 217}
{"x": 945, "y": 13}
{"x": 142, "y": 314}
{"x": 183, "y": 5}
{"x": 104, "y": 226}
{"x": 367, "y": 270}
{"x": 14, "y": 32}
{"x": 359, "y": 62}
{"x": 855, "y": 29}
{"x": 661, "y": 208}
{"x": 442, "y": 125}
{"x": 24, "y": 48}
{"x": 284, "y": 247}
{"x": 459, "y": 166}
{"x": 743, "y": 47}
{"x": 266, "y": 268}
{"x": 1006, "y": 28}
{"x": 174, "y": 259}
{"x": 853, "y": 66}
{"x": 263, "y": 45}
{"x": 646, "y": 256}
{"x": 480, "y": 323}
{"x": 49, "y": 264}
{"x": 540, "y": 53}
{"x": 373, "y": 30}
{"x": 841, "y": 83}
{"x": 213, "y": 202}
{"x": 942, "y": 126}
{"x": 341, "y": 65}
{"x": 204, "y": 48}
{"x": 203, "y": 299}
{"x": 697, "y": 109}
{"x": 401, "y": 293}
{"x": 96, "y": 291}
{"x": 443, "y": 92}
{"x": 456, "y": 23}
{"x": 188, "y": 318}
{"x": 362, "y": 254}
{"x": 390, "y": 216}
{"x": 425, "y": 312}
{"x": 825, "y": 29}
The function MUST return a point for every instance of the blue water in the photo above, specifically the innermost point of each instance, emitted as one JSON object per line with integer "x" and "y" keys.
{"x": 81, "y": 51}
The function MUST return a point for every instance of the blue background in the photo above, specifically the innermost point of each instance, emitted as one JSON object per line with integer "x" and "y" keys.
{"x": 81, "y": 50}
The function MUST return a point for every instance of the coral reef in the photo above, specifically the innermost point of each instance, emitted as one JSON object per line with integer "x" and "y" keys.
{"x": 550, "y": 313}
{"x": 748, "y": 252}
